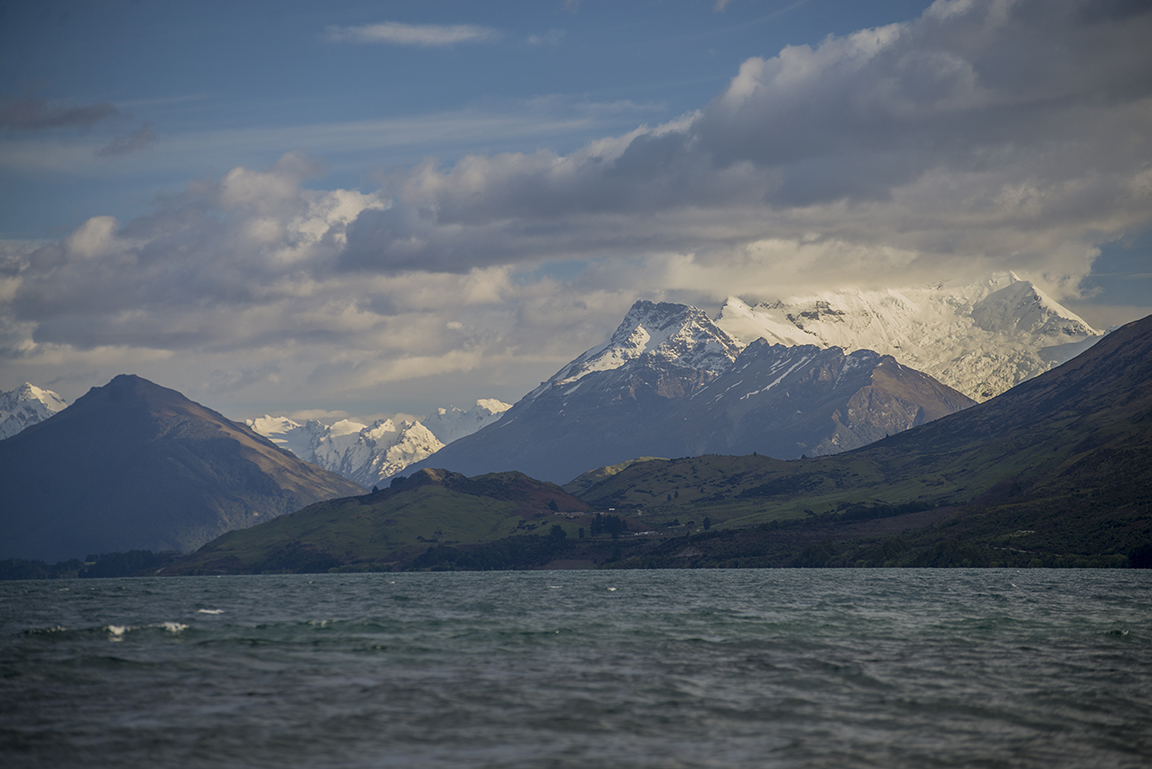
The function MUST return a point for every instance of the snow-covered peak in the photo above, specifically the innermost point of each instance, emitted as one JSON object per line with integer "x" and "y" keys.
{"x": 675, "y": 333}
{"x": 1023, "y": 308}
{"x": 25, "y": 406}
{"x": 452, "y": 423}
{"x": 345, "y": 427}
{"x": 288, "y": 434}
{"x": 980, "y": 339}
{"x": 272, "y": 427}
{"x": 370, "y": 454}
{"x": 381, "y": 428}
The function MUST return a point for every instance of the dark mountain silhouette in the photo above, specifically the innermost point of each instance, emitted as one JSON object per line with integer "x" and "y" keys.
{"x": 133, "y": 465}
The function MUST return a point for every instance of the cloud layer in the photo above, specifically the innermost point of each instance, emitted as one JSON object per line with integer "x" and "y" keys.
{"x": 985, "y": 135}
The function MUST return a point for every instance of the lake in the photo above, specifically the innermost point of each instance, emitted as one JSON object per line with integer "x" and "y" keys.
{"x": 742, "y": 668}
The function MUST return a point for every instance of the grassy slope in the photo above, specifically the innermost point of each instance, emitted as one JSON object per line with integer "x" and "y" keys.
{"x": 381, "y": 529}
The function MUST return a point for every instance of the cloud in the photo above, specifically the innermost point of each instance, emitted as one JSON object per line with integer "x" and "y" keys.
{"x": 122, "y": 145}
{"x": 543, "y": 119}
{"x": 35, "y": 114}
{"x": 396, "y": 33}
{"x": 551, "y": 37}
{"x": 981, "y": 134}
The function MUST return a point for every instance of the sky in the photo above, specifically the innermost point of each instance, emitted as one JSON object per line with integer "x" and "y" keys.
{"x": 368, "y": 208}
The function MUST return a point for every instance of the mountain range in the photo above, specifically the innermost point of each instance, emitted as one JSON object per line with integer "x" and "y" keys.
{"x": 670, "y": 382}
{"x": 1056, "y": 472}
{"x": 980, "y": 339}
{"x": 371, "y": 454}
{"x": 132, "y": 465}
{"x": 1057, "y": 469}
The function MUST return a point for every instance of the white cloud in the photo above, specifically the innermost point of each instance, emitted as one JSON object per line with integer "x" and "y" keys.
{"x": 396, "y": 33}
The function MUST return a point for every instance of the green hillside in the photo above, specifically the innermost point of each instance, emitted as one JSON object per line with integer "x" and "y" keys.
{"x": 386, "y": 528}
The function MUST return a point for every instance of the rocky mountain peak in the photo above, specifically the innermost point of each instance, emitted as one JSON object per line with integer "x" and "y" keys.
{"x": 678, "y": 334}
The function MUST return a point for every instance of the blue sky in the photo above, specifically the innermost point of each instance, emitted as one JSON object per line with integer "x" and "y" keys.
{"x": 391, "y": 206}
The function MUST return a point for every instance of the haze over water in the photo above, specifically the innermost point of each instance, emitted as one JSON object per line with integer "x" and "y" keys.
{"x": 788, "y": 668}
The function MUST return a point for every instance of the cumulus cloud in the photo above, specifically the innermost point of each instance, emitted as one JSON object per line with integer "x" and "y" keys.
{"x": 396, "y": 33}
{"x": 984, "y": 132}
{"x": 238, "y": 276}
{"x": 34, "y": 114}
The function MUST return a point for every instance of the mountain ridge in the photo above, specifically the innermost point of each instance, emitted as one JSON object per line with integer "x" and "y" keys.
{"x": 641, "y": 393}
{"x": 371, "y": 454}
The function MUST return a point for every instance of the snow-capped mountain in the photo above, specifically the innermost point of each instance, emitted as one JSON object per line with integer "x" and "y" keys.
{"x": 980, "y": 339}
{"x": 670, "y": 382}
{"x": 25, "y": 406}
{"x": 369, "y": 454}
{"x": 676, "y": 334}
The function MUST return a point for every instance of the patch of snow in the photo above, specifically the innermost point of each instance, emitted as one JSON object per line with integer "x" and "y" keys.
{"x": 778, "y": 379}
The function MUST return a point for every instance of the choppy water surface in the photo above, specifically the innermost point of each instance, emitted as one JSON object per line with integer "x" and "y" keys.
{"x": 792, "y": 668}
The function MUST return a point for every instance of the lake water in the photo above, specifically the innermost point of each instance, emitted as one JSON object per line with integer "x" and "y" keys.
{"x": 755, "y": 668}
